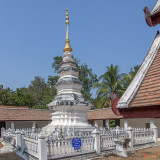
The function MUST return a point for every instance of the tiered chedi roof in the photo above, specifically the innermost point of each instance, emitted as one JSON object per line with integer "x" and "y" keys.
{"x": 153, "y": 17}
{"x": 68, "y": 86}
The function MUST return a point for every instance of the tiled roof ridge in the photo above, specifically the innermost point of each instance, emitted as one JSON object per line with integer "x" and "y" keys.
{"x": 100, "y": 109}
{"x": 140, "y": 75}
{"x": 25, "y": 109}
{"x": 13, "y": 106}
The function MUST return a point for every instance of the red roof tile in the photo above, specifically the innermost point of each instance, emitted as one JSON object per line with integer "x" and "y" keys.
{"x": 148, "y": 93}
{"x": 18, "y": 107}
{"x": 100, "y": 114}
{"x": 11, "y": 114}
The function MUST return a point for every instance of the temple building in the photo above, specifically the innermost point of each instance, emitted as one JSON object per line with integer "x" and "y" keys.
{"x": 153, "y": 17}
{"x": 141, "y": 100}
{"x": 17, "y": 117}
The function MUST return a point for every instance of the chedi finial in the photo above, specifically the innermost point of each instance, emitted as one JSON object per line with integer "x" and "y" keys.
{"x": 67, "y": 45}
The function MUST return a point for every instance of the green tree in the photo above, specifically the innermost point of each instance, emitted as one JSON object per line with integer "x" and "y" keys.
{"x": 131, "y": 75}
{"x": 5, "y": 96}
{"x": 21, "y": 98}
{"x": 87, "y": 78}
{"x": 56, "y": 62}
{"x": 111, "y": 81}
{"x": 133, "y": 71}
{"x": 52, "y": 81}
{"x": 41, "y": 92}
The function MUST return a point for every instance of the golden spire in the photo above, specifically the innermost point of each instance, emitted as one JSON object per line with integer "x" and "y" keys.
{"x": 67, "y": 45}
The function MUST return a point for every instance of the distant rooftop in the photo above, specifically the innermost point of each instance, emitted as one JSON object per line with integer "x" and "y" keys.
{"x": 18, "y": 107}
{"x": 23, "y": 113}
{"x": 102, "y": 114}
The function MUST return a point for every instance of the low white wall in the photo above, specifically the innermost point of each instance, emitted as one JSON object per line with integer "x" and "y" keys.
{"x": 26, "y": 124}
{"x": 141, "y": 123}
{"x": 135, "y": 123}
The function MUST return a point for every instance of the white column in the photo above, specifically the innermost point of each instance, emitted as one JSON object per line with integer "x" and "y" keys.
{"x": 125, "y": 124}
{"x": 34, "y": 124}
{"x": 155, "y": 136}
{"x": 97, "y": 144}
{"x": 12, "y": 125}
{"x": 96, "y": 123}
{"x": 107, "y": 123}
{"x": 34, "y": 127}
{"x": 42, "y": 147}
{"x": 151, "y": 123}
{"x": 130, "y": 132}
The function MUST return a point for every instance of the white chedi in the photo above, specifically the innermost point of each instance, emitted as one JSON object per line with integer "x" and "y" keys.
{"x": 69, "y": 109}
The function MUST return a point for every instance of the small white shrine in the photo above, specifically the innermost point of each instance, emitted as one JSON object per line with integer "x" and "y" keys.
{"x": 69, "y": 109}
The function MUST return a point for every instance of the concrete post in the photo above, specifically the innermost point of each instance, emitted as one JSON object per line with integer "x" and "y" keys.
{"x": 34, "y": 127}
{"x": 130, "y": 132}
{"x": 107, "y": 123}
{"x": 42, "y": 147}
{"x": 12, "y": 125}
{"x": 96, "y": 123}
{"x": 155, "y": 136}
{"x": 18, "y": 140}
{"x": 151, "y": 123}
{"x": 97, "y": 144}
{"x": 125, "y": 124}
{"x": 22, "y": 142}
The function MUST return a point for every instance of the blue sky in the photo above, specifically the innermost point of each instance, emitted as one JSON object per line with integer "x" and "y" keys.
{"x": 102, "y": 32}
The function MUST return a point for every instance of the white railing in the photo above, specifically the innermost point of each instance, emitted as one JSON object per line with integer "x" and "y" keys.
{"x": 31, "y": 147}
{"x": 142, "y": 136}
{"x": 59, "y": 145}
{"x": 108, "y": 140}
{"x": 59, "y": 148}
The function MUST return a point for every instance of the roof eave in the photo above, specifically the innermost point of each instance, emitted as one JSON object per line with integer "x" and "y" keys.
{"x": 137, "y": 80}
{"x": 156, "y": 8}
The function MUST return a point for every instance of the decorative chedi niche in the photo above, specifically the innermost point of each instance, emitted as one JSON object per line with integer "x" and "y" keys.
{"x": 69, "y": 109}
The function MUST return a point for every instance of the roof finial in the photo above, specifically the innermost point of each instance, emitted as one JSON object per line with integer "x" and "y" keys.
{"x": 67, "y": 45}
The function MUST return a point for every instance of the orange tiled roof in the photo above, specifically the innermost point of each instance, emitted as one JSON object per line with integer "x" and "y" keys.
{"x": 14, "y": 114}
{"x": 100, "y": 114}
{"x": 148, "y": 93}
{"x": 144, "y": 90}
{"x": 18, "y": 107}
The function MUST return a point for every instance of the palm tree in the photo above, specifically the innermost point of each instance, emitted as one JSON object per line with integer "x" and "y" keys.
{"x": 110, "y": 82}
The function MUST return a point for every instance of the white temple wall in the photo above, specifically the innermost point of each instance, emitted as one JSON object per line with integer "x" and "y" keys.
{"x": 157, "y": 123}
{"x": 135, "y": 123}
{"x": 26, "y": 124}
{"x": 141, "y": 123}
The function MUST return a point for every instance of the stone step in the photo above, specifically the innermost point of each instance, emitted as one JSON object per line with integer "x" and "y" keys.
{"x": 83, "y": 157}
{"x": 87, "y": 156}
